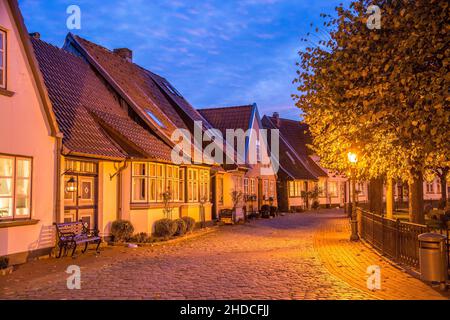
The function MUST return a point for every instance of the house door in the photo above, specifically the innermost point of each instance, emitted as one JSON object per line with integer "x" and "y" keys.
{"x": 80, "y": 195}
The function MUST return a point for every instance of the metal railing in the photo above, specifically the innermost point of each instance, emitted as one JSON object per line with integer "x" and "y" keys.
{"x": 393, "y": 238}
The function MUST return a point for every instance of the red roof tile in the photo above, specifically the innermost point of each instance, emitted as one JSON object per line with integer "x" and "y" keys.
{"x": 228, "y": 117}
{"x": 86, "y": 109}
{"x": 294, "y": 165}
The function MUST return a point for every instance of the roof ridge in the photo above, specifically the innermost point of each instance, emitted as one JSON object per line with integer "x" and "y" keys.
{"x": 227, "y": 107}
{"x": 62, "y": 50}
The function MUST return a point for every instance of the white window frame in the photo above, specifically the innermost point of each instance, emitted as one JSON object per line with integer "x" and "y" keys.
{"x": 14, "y": 194}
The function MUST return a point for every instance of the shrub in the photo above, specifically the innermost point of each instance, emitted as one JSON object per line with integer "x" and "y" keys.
{"x": 165, "y": 228}
{"x": 181, "y": 227}
{"x": 141, "y": 237}
{"x": 190, "y": 223}
{"x": 122, "y": 230}
{"x": 4, "y": 262}
{"x": 316, "y": 205}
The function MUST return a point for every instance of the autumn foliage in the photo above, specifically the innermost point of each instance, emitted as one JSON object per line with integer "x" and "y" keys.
{"x": 381, "y": 91}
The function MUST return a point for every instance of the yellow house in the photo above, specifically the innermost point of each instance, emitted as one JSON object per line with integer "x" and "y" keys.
{"x": 28, "y": 146}
{"x": 256, "y": 178}
{"x": 116, "y": 155}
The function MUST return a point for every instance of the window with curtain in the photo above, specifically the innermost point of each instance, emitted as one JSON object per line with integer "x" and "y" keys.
{"x": 333, "y": 188}
{"x": 192, "y": 183}
{"x": 15, "y": 187}
{"x": 295, "y": 189}
{"x": 246, "y": 187}
{"x": 204, "y": 185}
{"x": 151, "y": 180}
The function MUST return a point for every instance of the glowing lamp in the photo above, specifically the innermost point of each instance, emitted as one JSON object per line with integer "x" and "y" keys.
{"x": 352, "y": 157}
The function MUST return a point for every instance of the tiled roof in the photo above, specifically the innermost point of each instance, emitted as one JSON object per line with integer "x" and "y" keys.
{"x": 140, "y": 85}
{"x": 298, "y": 136}
{"x": 293, "y": 165}
{"x": 88, "y": 113}
{"x": 228, "y": 117}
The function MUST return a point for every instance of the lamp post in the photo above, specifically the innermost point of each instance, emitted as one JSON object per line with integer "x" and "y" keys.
{"x": 353, "y": 159}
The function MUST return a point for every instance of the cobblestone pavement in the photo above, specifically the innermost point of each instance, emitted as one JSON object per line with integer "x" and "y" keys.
{"x": 301, "y": 256}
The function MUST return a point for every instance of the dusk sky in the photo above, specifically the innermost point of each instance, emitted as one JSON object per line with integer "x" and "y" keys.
{"x": 216, "y": 53}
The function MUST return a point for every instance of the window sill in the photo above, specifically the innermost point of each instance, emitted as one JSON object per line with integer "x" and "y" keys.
{"x": 5, "y": 92}
{"x": 18, "y": 223}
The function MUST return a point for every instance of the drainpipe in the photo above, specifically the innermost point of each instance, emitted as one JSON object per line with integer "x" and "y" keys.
{"x": 58, "y": 151}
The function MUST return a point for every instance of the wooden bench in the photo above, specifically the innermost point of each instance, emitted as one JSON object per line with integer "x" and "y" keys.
{"x": 71, "y": 234}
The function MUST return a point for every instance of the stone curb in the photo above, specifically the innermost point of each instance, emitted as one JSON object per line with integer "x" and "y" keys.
{"x": 193, "y": 235}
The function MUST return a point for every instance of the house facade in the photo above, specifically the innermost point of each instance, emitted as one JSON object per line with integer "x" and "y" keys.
{"x": 29, "y": 138}
{"x": 302, "y": 180}
{"x": 258, "y": 181}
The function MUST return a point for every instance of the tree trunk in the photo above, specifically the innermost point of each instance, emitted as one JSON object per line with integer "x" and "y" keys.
{"x": 416, "y": 209}
{"x": 390, "y": 199}
{"x": 376, "y": 196}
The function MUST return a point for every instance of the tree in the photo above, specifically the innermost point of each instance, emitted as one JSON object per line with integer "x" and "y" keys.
{"x": 380, "y": 91}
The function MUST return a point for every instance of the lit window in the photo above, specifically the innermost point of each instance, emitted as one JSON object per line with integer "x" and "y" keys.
{"x": 204, "y": 185}
{"x": 151, "y": 180}
{"x": 193, "y": 185}
{"x": 246, "y": 186}
{"x": 266, "y": 188}
{"x": 333, "y": 189}
{"x": 272, "y": 189}
{"x": 15, "y": 187}
{"x": 252, "y": 187}
{"x": 295, "y": 189}
{"x": 155, "y": 119}
{"x": 2, "y": 59}
{"x": 220, "y": 190}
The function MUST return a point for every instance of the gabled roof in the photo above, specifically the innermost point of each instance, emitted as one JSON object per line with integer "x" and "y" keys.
{"x": 291, "y": 164}
{"x": 89, "y": 114}
{"x": 298, "y": 136}
{"x": 153, "y": 98}
{"x": 24, "y": 37}
{"x": 238, "y": 117}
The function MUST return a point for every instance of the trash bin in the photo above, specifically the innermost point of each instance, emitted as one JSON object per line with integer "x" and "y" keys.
{"x": 433, "y": 259}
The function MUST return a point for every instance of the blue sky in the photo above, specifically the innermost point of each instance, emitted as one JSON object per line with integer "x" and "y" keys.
{"x": 216, "y": 53}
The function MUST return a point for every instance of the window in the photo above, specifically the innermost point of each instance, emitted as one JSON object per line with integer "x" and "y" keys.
{"x": 151, "y": 180}
{"x": 295, "y": 189}
{"x": 220, "y": 190}
{"x": 333, "y": 189}
{"x": 140, "y": 181}
{"x": 252, "y": 186}
{"x": 181, "y": 184}
{"x": 2, "y": 59}
{"x": 192, "y": 185}
{"x": 322, "y": 188}
{"x": 237, "y": 182}
{"x": 81, "y": 166}
{"x": 246, "y": 187}
{"x": 266, "y": 188}
{"x": 438, "y": 187}
{"x": 430, "y": 187}
{"x": 272, "y": 189}
{"x": 204, "y": 185}
{"x": 360, "y": 188}
{"x": 15, "y": 187}
{"x": 155, "y": 119}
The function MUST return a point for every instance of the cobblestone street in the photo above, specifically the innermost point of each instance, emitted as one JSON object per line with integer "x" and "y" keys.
{"x": 301, "y": 256}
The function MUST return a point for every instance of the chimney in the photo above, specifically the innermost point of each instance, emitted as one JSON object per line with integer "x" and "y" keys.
{"x": 276, "y": 119}
{"x": 124, "y": 53}
{"x": 35, "y": 35}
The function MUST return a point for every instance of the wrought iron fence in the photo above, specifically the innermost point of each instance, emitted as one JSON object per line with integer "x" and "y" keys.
{"x": 393, "y": 238}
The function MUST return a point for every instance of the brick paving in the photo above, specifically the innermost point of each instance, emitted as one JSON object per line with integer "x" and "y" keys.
{"x": 301, "y": 256}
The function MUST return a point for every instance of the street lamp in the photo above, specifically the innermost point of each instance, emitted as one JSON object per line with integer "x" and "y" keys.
{"x": 71, "y": 185}
{"x": 353, "y": 159}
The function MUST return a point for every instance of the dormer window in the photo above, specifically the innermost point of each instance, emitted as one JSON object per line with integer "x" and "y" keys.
{"x": 2, "y": 59}
{"x": 155, "y": 119}
{"x": 172, "y": 90}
